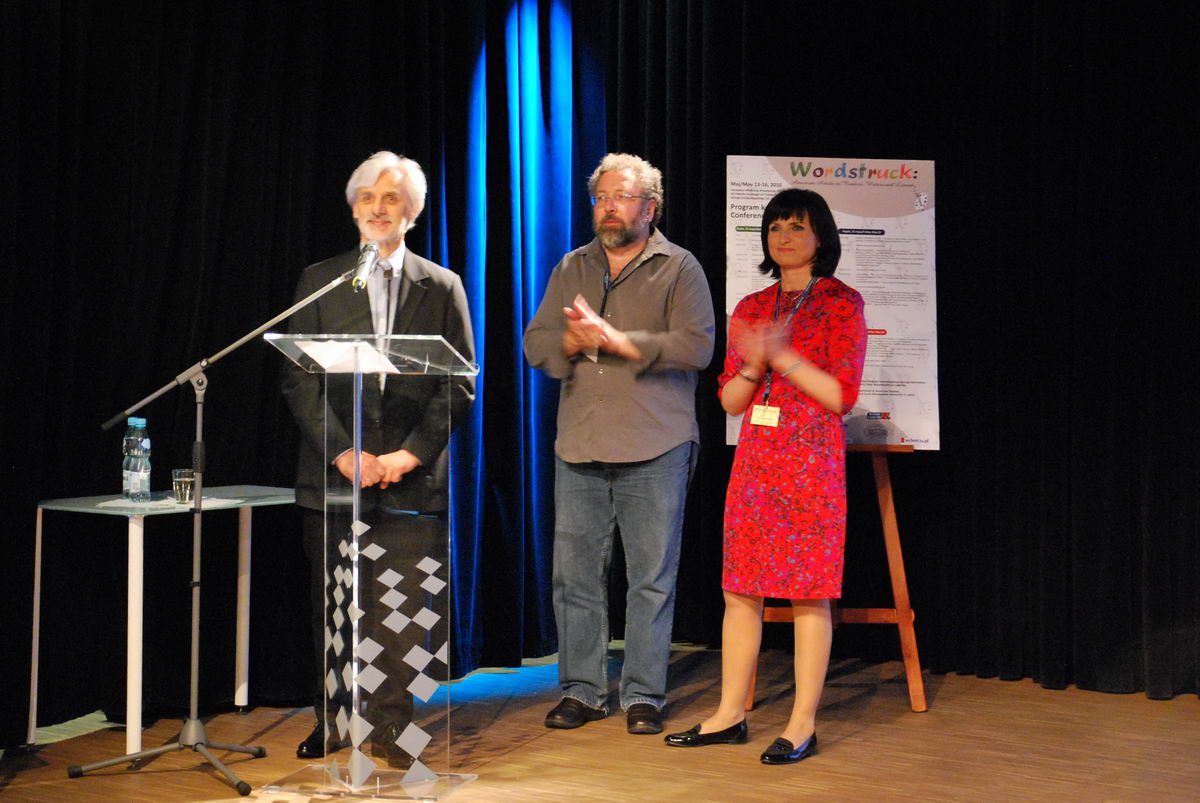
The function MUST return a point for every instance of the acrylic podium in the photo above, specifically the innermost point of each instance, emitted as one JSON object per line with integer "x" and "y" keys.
{"x": 387, "y": 575}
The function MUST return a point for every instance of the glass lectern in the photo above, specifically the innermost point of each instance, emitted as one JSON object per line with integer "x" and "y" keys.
{"x": 387, "y": 568}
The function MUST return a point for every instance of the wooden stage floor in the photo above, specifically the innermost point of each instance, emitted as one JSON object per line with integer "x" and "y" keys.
{"x": 980, "y": 740}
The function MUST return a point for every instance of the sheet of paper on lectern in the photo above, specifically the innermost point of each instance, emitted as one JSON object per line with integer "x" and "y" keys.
{"x": 341, "y": 357}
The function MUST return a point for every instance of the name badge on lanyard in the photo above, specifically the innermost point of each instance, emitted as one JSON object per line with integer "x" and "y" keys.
{"x": 764, "y": 415}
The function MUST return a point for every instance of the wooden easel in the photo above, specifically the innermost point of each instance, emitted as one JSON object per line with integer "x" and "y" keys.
{"x": 902, "y": 615}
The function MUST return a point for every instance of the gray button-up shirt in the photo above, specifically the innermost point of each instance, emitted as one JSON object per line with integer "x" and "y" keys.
{"x": 616, "y": 410}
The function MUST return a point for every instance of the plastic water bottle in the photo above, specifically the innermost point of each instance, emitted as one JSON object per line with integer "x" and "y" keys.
{"x": 127, "y": 448}
{"x": 139, "y": 467}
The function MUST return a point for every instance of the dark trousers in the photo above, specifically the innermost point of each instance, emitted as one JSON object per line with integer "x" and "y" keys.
{"x": 404, "y": 611}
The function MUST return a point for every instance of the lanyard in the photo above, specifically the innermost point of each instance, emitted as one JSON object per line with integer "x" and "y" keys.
{"x": 786, "y": 325}
{"x": 610, "y": 282}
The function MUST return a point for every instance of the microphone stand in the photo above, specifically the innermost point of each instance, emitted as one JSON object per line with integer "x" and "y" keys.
{"x": 192, "y": 735}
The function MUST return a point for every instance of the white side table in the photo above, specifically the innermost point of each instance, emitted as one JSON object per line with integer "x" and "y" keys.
{"x": 242, "y": 497}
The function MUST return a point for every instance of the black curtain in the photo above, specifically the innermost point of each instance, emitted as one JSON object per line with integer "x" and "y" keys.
{"x": 1054, "y": 535}
{"x": 169, "y": 168}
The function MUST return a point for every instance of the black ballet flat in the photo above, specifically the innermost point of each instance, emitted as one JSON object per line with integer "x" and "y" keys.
{"x": 734, "y": 734}
{"x": 782, "y": 751}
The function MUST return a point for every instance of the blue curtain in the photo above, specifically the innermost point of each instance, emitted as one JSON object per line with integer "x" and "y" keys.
{"x": 522, "y": 132}
{"x": 467, "y": 446}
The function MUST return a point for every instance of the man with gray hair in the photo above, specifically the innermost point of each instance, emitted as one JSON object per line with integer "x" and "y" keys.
{"x": 404, "y": 467}
{"x": 625, "y": 323}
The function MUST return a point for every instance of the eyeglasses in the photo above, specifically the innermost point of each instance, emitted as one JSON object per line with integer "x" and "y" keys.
{"x": 619, "y": 200}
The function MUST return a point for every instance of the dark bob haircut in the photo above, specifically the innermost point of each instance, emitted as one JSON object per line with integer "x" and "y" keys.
{"x": 794, "y": 204}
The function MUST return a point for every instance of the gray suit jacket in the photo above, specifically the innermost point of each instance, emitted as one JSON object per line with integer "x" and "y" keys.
{"x": 413, "y": 412}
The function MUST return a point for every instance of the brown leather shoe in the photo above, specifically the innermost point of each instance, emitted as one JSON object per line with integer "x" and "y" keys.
{"x": 570, "y": 713}
{"x": 643, "y": 718}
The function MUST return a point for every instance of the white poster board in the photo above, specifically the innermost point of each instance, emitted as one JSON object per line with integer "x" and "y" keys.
{"x": 885, "y": 215}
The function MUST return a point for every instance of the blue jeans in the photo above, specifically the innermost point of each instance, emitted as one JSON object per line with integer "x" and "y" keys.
{"x": 646, "y": 500}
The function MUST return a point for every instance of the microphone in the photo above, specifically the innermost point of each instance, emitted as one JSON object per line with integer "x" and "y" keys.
{"x": 366, "y": 263}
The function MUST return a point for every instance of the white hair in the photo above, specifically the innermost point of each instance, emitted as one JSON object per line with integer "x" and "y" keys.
{"x": 648, "y": 177}
{"x": 409, "y": 178}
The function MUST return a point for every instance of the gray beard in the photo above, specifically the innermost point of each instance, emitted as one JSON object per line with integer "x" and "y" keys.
{"x": 616, "y": 238}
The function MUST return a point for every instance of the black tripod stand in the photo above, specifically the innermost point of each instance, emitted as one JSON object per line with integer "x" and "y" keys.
{"x": 193, "y": 736}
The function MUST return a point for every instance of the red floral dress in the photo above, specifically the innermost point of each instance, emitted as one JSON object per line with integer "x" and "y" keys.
{"x": 785, "y": 510}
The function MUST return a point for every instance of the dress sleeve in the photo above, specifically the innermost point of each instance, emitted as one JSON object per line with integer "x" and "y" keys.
{"x": 733, "y": 360}
{"x": 847, "y": 345}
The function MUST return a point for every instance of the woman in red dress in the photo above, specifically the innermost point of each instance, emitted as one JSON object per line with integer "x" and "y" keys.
{"x": 793, "y": 368}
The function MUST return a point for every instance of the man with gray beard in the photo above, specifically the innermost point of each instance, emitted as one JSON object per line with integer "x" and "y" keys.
{"x": 625, "y": 323}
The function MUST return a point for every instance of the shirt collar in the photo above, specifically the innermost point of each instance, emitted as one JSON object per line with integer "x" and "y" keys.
{"x": 656, "y": 244}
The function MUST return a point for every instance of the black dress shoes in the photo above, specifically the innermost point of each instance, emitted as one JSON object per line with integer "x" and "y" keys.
{"x": 570, "y": 713}
{"x": 643, "y": 718}
{"x": 383, "y": 745}
{"x": 734, "y": 734}
{"x": 396, "y": 758}
{"x": 782, "y": 751}
{"x": 313, "y": 745}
